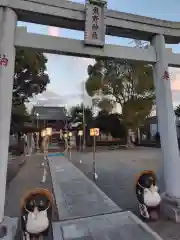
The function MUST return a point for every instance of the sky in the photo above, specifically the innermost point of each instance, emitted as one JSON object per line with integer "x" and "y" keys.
{"x": 67, "y": 74}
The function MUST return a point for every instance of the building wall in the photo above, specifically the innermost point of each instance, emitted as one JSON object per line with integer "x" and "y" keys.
{"x": 154, "y": 129}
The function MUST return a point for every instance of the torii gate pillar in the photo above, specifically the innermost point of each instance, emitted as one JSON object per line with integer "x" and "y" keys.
{"x": 8, "y": 20}
{"x": 168, "y": 133}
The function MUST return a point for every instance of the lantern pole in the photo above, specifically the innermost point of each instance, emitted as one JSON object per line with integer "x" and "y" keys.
{"x": 46, "y": 134}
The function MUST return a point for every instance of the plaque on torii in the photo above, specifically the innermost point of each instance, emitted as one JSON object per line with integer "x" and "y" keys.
{"x": 95, "y": 28}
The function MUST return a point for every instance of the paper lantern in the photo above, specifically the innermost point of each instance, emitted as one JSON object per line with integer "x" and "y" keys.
{"x": 49, "y": 131}
{"x": 65, "y": 135}
{"x": 43, "y": 133}
{"x": 80, "y": 132}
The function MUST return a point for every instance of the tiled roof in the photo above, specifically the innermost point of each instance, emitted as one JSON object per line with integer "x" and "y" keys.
{"x": 49, "y": 113}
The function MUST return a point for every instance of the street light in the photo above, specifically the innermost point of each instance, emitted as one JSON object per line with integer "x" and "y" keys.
{"x": 37, "y": 123}
{"x": 84, "y": 123}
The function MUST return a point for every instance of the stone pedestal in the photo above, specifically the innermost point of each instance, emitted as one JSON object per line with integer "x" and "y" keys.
{"x": 171, "y": 207}
{"x": 8, "y": 228}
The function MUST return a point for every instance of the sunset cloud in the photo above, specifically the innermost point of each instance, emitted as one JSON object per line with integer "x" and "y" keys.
{"x": 175, "y": 85}
{"x": 54, "y": 31}
{"x": 175, "y": 79}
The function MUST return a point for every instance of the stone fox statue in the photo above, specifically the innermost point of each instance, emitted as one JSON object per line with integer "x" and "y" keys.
{"x": 148, "y": 196}
{"x": 36, "y": 214}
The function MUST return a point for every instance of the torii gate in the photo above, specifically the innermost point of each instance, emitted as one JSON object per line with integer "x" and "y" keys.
{"x": 77, "y": 16}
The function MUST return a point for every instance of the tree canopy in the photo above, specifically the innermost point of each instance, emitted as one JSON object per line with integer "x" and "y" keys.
{"x": 19, "y": 115}
{"x": 128, "y": 84}
{"x": 76, "y": 113}
{"x": 177, "y": 111}
{"x": 110, "y": 123}
{"x": 106, "y": 122}
{"x": 30, "y": 75}
{"x": 30, "y": 78}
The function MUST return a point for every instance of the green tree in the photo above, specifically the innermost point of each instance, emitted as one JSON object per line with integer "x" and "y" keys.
{"x": 177, "y": 111}
{"x": 30, "y": 77}
{"x": 128, "y": 84}
{"x": 77, "y": 112}
{"x": 110, "y": 123}
{"x": 19, "y": 115}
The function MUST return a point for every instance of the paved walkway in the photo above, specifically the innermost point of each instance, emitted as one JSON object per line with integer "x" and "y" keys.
{"x": 14, "y": 165}
{"x": 29, "y": 177}
{"x": 77, "y": 196}
{"x": 115, "y": 226}
{"x": 86, "y": 213}
{"x": 19, "y": 182}
{"x": 117, "y": 171}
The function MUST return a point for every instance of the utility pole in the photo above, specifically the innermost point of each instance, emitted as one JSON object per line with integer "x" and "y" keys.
{"x": 84, "y": 120}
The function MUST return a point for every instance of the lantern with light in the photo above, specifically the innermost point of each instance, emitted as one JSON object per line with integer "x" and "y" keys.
{"x": 65, "y": 135}
{"x": 49, "y": 132}
{"x": 80, "y": 133}
{"x": 70, "y": 134}
{"x": 43, "y": 133}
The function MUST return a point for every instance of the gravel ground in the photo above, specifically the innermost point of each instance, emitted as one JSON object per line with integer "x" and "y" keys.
{"x": 117, "y": 171}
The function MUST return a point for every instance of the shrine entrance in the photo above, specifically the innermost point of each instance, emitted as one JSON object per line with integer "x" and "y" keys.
{"x": 98, "y": 21}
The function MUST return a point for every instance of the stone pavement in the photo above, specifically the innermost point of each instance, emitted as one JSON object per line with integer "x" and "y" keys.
{"x": 122, "y": 226}
{"x": 74, "y": 192}
{"x": 14, "y": 165}
{"x": 29, "y": 177}
{"x": 117, "y": 171}
{"x": 86, "y": 213}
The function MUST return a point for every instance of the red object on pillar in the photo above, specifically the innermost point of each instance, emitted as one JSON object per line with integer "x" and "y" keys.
{"x": 166, "y": 75}
{"x": 3, "y": 61}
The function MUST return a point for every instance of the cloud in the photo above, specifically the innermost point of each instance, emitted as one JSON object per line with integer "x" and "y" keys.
{"x": 175, "y": 79}
{"x": 84, "y": 62}
{"x": 175, "y": 85}
{"x": 54, "y": 31}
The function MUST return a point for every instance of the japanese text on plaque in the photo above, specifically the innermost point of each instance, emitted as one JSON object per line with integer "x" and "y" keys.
{"x": 95, "y": 22}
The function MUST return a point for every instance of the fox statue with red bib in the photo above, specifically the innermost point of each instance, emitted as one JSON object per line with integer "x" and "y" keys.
{"x": 148, "y": 195}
